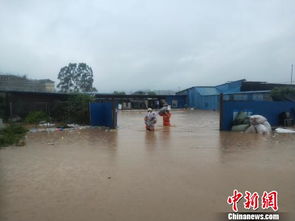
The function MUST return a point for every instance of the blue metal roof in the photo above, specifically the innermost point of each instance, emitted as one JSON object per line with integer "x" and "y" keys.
{"x": 231, "y": 86}
{"x": 206, "y": 91}
{"x": 249, "y": 92}
{"x": 231, "y": 82}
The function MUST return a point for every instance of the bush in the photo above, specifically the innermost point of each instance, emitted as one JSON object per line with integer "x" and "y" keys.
{"x": 58, "y": 111}
{"x": 12, "y": 134}
{"x": 78, "y": 108}
{"x": 36, "y": 117}
{"x": 74, "y": 110}
{"x": 2, "y": 107}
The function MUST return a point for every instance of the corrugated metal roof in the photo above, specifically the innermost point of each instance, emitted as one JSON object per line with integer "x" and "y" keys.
{"x": 231, "y": 82}
{"x": 206, "y": 91}
{"x": 249, "y": 92}
{"x": 233, "y": 90}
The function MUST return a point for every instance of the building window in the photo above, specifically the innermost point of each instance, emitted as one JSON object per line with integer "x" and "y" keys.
{"x": 226, "y": 97}
{"x": 240, "y": 97}
{"x": 257, "y": 97}
{"x": 174, "y": 103}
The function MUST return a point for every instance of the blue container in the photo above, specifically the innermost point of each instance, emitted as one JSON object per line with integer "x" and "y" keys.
{"x": 103, "y": 114}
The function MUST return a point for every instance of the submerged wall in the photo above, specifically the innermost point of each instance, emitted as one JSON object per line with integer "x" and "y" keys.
{"x": 269, "y": 109}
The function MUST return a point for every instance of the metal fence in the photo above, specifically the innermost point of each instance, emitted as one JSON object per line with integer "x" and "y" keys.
{"x": 269, "y": 109}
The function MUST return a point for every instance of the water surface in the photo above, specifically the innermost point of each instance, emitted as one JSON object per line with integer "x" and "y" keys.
{"x": 185, "y": 172}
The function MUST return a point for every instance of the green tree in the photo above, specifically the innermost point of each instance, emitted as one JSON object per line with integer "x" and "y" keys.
{"x": 151, "y": 93}
{"x": 119, "y": 92}
{"x": 76, "y": 78}
{"x": 77, "y": 108}
{"x": 139, "y": 93}
{"x": 65, "y": 76}
{"x": 73, "y": 110}
{"x": 2, "y": 107}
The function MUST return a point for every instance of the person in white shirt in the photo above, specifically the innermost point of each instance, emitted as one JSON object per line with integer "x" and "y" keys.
{"x": 150, "y": 120}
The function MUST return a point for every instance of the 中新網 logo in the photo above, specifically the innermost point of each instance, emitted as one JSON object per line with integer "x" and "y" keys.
{"x": 253, "y": 200}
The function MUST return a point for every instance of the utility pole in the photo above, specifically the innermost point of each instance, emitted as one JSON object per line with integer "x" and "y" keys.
{"x": 291, "y": 73}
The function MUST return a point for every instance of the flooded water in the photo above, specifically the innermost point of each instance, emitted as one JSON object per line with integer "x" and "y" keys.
{"x": 185, "y": 172}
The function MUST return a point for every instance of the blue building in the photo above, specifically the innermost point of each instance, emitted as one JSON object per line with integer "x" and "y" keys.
{"x": 207, "y": 97}
{"x": 176, "y": 101}
{"x": 264, "y": 95}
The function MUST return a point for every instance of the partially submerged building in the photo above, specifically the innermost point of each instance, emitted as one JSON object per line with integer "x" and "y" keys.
{"x": 143, "y": 101}
{"x": 20, "y": 103}
{"x": 262, "y": 86}
{"x": 254, "y": 91}
{"x": 207, "y": 97}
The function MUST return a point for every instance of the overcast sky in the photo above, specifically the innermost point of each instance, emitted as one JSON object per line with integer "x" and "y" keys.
{"x": 150, "y": 44}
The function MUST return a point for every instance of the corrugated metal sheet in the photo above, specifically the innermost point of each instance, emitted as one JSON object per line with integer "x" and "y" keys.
{"x": 207, "y": 97}
{"x": 233, "y": 86}
{"x": 249, "y": 92}
{"x": 206, "y": 91}
{"x": 180, "y": 101}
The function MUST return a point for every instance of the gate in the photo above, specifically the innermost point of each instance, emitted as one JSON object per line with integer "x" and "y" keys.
{"x": 103, "y": 114}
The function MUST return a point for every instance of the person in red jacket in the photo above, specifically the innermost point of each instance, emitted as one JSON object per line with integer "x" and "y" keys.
{"x": 166, "y": 118}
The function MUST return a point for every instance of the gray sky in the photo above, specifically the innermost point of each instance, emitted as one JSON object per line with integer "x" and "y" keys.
{"x": 150, "y": 44}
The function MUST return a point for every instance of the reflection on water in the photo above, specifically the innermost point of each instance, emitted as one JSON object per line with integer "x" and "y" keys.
{"x": 180, "y": 173}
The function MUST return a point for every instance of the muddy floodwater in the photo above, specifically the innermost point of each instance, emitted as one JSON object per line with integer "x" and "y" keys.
{"x": 182, "y": 173}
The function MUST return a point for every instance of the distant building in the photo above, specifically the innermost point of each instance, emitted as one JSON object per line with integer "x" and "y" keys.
{"x": 18, "y": 83}
{"x": 154, "y": 92}
{"x": 165, "y": 92}
{"x": 261, "y": 86}
{"x": 255, "y": 91}
{"x": 264, "y": 95}
{"x": 207, "y": 97}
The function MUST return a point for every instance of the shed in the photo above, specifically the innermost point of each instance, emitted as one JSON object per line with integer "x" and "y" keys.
{"x": 207, "y": 97}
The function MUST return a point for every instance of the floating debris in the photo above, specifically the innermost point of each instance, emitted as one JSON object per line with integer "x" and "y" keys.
{"x": 284, "y": 131}
{"x": 68, "y": 127}
{"x": 46, "y": 124}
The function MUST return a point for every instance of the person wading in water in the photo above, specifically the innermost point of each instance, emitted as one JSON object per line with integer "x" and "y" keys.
{"x": 166, "y": 114}
{"x": 150, "y": 120}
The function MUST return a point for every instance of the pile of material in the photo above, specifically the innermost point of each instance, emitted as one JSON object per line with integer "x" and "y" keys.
{"x": 241, "y": 122}
{"x": 47, "y": 127}
{"x": 258, "y": 124}
{"x": 164, "y": 109}
{"x": 251, "y": 124}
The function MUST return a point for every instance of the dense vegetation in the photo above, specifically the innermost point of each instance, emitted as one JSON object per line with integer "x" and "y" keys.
{"x": 12, "y": 135}
{"x": 36, "y": 117}
{"x": 119, "y": 92}
{"x": 2, "y": 107}
{"x": 74, "y": 110}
